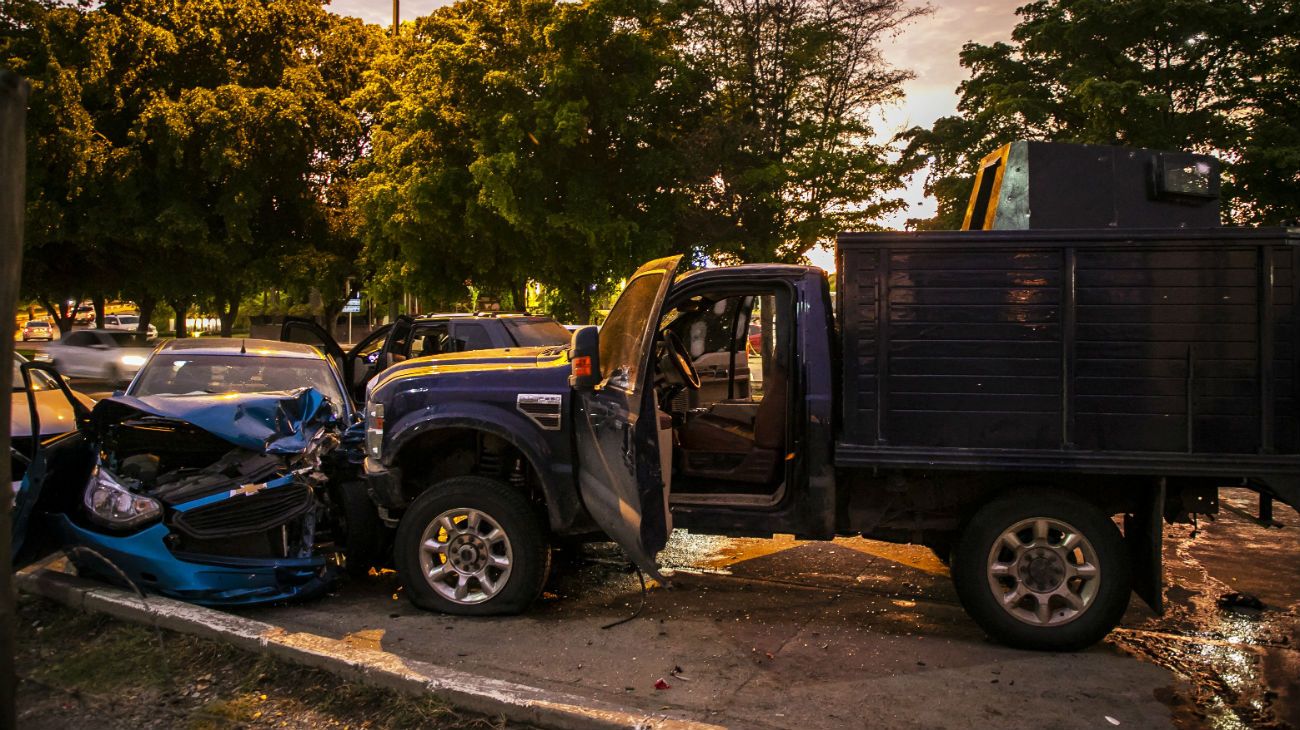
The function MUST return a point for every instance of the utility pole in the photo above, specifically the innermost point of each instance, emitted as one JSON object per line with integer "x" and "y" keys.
{"x": 396, "y": 15}
{"x": 13, "y": 168}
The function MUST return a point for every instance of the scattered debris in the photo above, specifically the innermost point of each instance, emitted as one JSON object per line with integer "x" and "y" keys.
{"x": 661, "y": 684}
{"x": 1112, "y": 720}
{"x": 1240, "y": 600}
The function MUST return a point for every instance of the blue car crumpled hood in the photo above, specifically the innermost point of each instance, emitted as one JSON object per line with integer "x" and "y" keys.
{"x": 283, "y": 422}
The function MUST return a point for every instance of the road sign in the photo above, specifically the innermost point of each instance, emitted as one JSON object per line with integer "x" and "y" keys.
{"x": 352, "y": 306}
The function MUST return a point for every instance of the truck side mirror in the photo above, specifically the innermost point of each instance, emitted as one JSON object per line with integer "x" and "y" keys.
{"x": 584, "y": 359}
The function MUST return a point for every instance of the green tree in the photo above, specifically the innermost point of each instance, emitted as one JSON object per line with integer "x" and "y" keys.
{"x": 529, "y": 140}
{"x": 1214, "y": 76}
{"x": 73, "y": 168}
{"x": 188, "y": 151}
{"x": 788, "y": 142}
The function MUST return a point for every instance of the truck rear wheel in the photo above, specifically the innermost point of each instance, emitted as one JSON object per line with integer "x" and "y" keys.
{"x": 472, "y": 546}
{"x": 1043, "y": 570}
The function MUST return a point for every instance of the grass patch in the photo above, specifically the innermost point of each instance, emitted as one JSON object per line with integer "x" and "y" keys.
{"x": 79, "y": 669}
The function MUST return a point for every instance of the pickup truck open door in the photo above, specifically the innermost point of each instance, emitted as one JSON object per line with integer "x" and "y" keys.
{"x": 616, "y": 423}
{"x": 358, "y": 365}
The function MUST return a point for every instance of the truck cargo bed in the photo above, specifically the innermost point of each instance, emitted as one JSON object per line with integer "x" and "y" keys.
{"x": 1170, "y": 352}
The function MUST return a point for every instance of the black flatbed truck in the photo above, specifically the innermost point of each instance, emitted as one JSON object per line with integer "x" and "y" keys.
{"x": 1032, "y": 404}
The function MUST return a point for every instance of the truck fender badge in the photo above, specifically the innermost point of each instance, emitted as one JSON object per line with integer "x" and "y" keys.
{"x": 543, "y": 409}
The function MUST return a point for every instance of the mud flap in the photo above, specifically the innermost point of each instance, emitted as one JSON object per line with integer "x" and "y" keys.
{"x": 1144, "y": 532}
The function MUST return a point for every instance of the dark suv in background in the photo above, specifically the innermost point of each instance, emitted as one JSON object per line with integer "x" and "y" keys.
{"x": 427, "y": 334}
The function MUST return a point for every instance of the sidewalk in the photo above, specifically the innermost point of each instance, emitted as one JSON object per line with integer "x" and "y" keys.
{"x": 754, "y": 634}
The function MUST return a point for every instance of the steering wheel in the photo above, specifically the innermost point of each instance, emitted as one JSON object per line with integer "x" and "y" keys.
{"x": 681, "y": 360}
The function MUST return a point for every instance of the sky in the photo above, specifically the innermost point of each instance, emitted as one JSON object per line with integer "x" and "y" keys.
{"x": 928, "y": 47}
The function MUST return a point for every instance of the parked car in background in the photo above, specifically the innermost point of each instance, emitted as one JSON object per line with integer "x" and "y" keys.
{"x": 427, "y": 334}
{"x": 112, "y": 356}
{"x": 127, "y": 323}
{"x": 38, "y": 329}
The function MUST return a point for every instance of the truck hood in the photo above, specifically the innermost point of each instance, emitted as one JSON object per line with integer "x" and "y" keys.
{"x": 511, "y": 364}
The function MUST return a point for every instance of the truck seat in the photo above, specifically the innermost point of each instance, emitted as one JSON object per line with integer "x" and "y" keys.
{"x": 718, "y": 447}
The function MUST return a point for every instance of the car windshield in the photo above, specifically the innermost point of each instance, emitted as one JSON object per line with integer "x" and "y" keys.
{"x": 128, "y": 319}
{"x": 38, "y": 323}
{"x": 40, "y": 381}
{"x": 131, "y": 339}
{"x": 183, "y": 373}
{"x": 537, "y": 332}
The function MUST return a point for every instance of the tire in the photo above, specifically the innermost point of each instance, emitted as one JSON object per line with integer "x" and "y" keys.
{"x": 361, "y": 532}
{"x": 1063, "y": 604}
{"x": 497, "y": 506}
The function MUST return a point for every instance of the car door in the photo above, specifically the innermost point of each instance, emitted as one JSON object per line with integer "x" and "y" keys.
{"x": 358, "y": 365}
{"x": 55, "y": 468}
{"x": 616, "y": 423}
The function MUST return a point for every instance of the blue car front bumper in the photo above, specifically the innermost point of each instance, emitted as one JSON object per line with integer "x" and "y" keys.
{"x": 208, "y": 580}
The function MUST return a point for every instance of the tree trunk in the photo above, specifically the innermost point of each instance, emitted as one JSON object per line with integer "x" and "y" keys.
{"x": 98, "y": 302}
{"x": 582, "y": 308}
{"x": 181, "y": 307}
{"x": 146, "y": 303}
{"x": 13, "y": 164}
{"x": 60, "y": 313}
{"x": 519, "y": 293}
{"x": 229, "y": 312}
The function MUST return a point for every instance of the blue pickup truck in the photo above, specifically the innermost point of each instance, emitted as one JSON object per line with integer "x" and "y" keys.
{"x": 1033, "y": 402}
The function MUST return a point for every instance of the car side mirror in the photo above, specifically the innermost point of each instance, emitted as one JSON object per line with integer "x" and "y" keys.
{"x": 584, "y": 359}
{"x": 99, "y": 346}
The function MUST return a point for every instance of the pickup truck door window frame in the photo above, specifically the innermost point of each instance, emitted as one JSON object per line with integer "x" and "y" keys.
{"x": 616, "y": 428}
{"x": 349, "y": 363}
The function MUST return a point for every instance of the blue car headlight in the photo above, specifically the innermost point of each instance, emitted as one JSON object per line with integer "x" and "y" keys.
{"x": 113, "y": 505}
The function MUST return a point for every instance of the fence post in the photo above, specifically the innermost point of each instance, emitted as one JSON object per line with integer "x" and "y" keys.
{"x": 13, "y": 170}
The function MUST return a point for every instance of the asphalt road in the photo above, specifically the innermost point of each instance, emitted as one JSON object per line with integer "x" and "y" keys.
{"x": 787, "y": 634}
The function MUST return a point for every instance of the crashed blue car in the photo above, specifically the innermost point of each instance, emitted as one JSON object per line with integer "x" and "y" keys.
{"x": 220, "y": 500}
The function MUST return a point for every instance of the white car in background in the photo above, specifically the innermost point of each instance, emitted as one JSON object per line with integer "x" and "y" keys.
{"x": 110, "y": 355}
{"x": 126, "y": 323}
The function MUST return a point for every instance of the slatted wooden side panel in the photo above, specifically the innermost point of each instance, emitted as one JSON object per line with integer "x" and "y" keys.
{"x": 1286, "y": 365}
{"x": 974, "y": 348}
{"x": 855, "y": 292}
{"x": 1095, "y": 342}
{"x": 1166, "y": 336}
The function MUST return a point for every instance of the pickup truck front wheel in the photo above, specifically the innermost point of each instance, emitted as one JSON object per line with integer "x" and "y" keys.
{"x": 1043, "y": 570}
{"x": 472, "y": 546}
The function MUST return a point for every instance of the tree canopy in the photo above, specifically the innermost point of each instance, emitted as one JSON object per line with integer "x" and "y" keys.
{"x": 1212, "y": 76}
{"x": 201, "y": 151}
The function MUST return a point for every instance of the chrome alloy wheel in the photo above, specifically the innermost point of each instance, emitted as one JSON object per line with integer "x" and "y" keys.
{"x": 1044, "y": 572}
{"x": 465, "y": 556}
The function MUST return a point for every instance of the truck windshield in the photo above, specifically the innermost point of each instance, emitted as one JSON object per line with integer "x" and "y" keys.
{"x": 537, "y": 332}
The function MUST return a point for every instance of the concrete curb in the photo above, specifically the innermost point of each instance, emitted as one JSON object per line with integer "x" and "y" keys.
{"x": 484, "y": 695}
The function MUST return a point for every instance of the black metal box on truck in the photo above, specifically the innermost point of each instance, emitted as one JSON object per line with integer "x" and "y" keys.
{"x": 1160, "y": 351}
